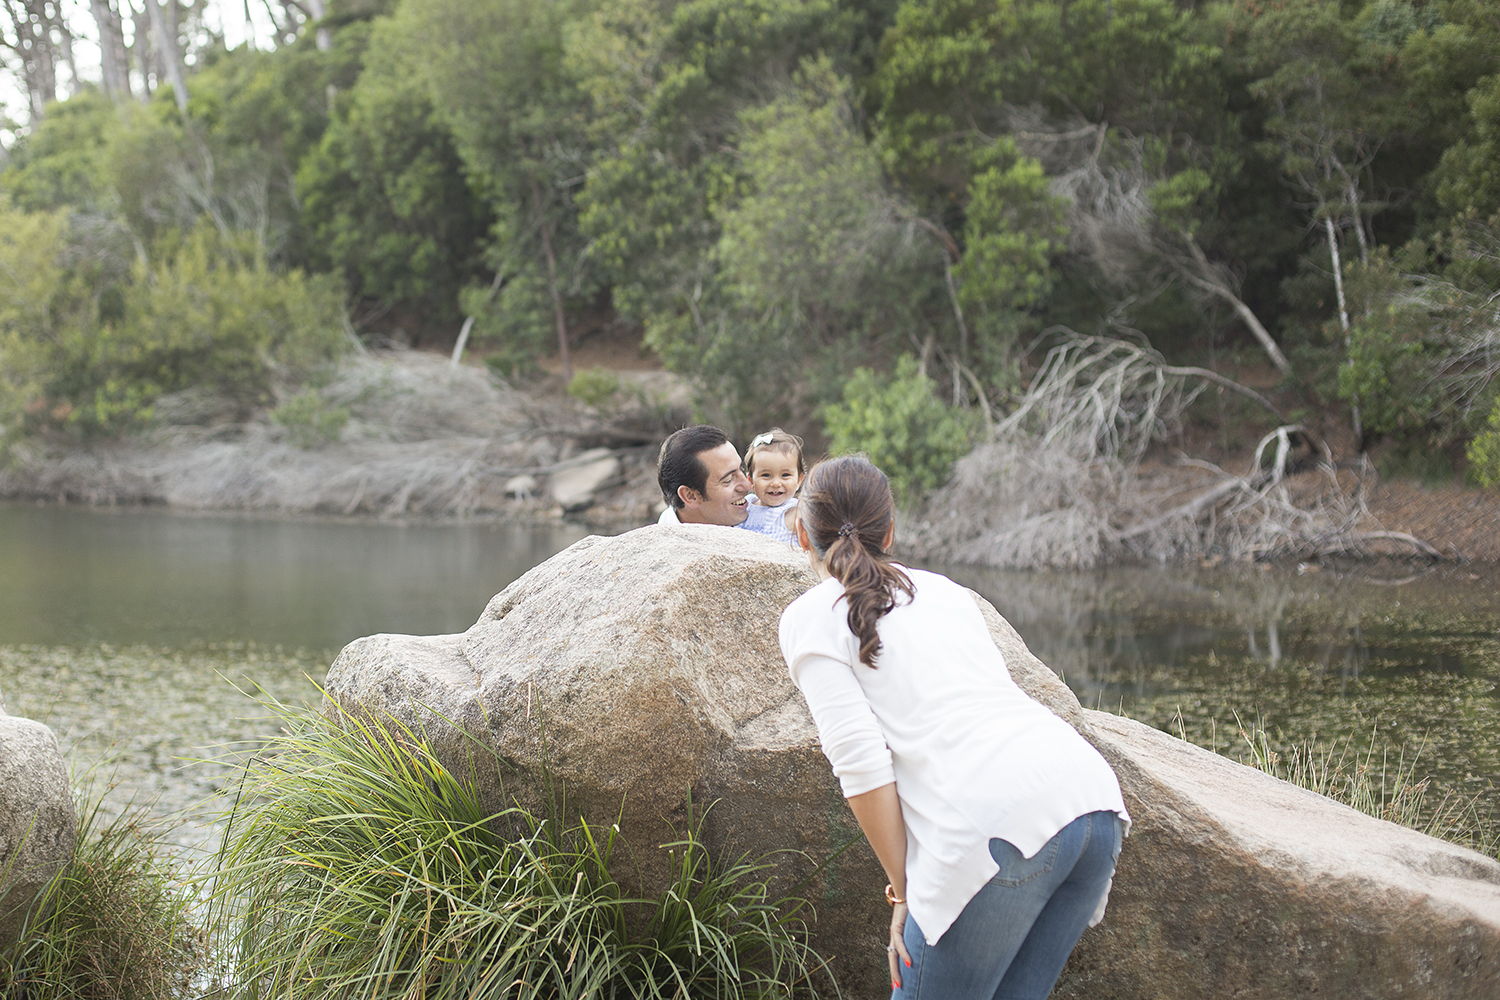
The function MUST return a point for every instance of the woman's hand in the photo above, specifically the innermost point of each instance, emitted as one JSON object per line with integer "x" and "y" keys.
{"x": 879, "y": 815}
{"x": 896, "y": 950}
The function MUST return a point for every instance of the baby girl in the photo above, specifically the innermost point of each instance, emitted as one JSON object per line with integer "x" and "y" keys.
{"x": 775, "y": 466}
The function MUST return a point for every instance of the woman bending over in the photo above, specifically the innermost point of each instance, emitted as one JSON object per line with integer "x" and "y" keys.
{"x": 997, "y": 824}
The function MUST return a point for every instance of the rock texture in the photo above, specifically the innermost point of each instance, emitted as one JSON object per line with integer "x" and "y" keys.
{"x": 37, "y": 824}
{"x": 1234, "y": 883}
{"x": 644, "y": 669}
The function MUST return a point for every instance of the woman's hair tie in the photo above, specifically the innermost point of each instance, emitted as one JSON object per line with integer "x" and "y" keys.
{"x": 846, "y": 529}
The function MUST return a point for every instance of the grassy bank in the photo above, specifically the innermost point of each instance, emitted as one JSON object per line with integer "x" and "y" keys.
{"x": 354, "y": 863}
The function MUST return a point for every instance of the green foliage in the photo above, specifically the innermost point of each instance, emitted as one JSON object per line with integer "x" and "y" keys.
{"x": 1484, "y": 452}
{"x": 494, "y": 71}
{"x": 385, "y": 197}
{"x": 1387, "y": 372}
{"x": 1415, "y": 459}
{"x": 90, "y": 355}
{"x": 901, "y": 425}
{"x": 594, "y": 386}
{"x": 358, "y": 864}
{"x": 309, "y": 421}
{"x": 113, "y": 925}
{"x": 777, "y": 190}
{"x": 809, "y": 226}
{"x": 1012, "y": 230}
{"x": 1418, "y": 358}
{"x": 65, "y": 161}
{"x": 733, "y": 198}
{"x": 1455, "y": 74}
{"x": 951, "y": 72}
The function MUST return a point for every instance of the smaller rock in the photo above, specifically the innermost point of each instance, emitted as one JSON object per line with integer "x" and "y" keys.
{"x": 521, "y": 487}
{"x": 37, "y": 822}
{"x": 574, "y": 487}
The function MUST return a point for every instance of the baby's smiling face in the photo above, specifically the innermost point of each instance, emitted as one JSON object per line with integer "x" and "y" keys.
{"x": 774, "y": 476}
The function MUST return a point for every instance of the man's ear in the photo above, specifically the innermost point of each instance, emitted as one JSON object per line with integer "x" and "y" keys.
{"x": 688, "y": 496}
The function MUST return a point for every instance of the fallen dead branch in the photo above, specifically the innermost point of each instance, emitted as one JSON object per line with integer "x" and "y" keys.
{"x": 1060, "y": 482}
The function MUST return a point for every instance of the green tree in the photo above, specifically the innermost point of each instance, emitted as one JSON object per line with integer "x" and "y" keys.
{"x": 995, "y": 117}
{"x": 495, "y": 71}
{"x": 1484, "y": 452}
{"x": 667, "y": 89}
{"x": 205, "y": 310}
{"x": 386, "y": 199}
{"x": 1452, "y": 72}
{"x": 902, "y": 426}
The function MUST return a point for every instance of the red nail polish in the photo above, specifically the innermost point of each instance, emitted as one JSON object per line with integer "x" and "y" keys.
{"x": 908, "y": 963}
{"x": 895, "y": 985}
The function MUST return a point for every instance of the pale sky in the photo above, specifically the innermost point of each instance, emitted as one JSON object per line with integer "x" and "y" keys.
{"x": 227, "y": 17}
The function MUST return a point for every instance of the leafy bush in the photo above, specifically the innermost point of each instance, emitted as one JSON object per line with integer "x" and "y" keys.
{"x": 88, "y": 353}
{"x": 1421, "y": 358}
{"x": 902, "y": 426}
{"x": 113, "y": 924}
{"x": 1484, "y": 452}
{"x": 309, "y": 422}
{"x": 358, "y": 864}
{"x": 1388, "y": 373}
{"x": 594, "y": 386}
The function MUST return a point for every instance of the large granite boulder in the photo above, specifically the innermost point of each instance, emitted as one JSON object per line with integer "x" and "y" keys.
{"x": 37, "y": 823}
{"x": 1235, "y": 883}
{"x": 644, "y": 671}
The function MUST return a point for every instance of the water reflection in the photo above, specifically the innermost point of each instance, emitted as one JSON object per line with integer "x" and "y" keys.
{"x": 149, "y": 640}
{"x": 1114, "y": 634}
{"x": 74, "y": 575}
{"x": 1396, "y": 672}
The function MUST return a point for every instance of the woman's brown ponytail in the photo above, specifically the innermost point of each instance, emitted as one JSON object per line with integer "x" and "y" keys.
{"x": 847, "y": 508}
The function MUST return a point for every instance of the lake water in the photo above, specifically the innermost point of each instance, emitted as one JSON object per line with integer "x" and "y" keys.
{"x": 151, "y": 640}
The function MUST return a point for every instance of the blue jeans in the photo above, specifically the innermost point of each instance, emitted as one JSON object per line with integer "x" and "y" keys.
{"x": 1012, "y": 940}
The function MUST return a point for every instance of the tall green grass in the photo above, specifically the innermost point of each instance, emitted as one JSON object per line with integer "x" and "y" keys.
{"x": 356, "y": 864}
{"x": 114, "y": 924}
{"x": 1374, "y": 782}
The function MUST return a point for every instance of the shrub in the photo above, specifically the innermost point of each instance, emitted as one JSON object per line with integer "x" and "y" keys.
{"x": 902, "y": 426}
{"x": 1484, "y": 452}
{"x": 594, "y": 386}
{"x": 1421, "y": 356}
{"x": 309, "y": 422}
{"x": 358, "y": 864}
{"x": 112, "y": 925}
{"x": 91, "y": 352}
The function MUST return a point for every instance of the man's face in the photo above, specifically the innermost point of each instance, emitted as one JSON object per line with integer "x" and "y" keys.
{"x": 723, "y": 500}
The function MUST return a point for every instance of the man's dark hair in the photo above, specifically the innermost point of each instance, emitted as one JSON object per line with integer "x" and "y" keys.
{"x": 679, "y": 464}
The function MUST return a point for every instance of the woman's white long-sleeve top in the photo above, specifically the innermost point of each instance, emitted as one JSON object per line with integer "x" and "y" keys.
{"x": 972, "y": 755}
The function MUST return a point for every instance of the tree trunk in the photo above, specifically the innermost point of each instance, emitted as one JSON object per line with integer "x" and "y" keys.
{"x": 166, "y": 48}
{"x": 36, "y": 49}
{"x": 463, "y": 334}
{"x": 114, "y": 63}
{"x": 557, "y": 308}
{"x": 322, "y": 36}
{"x": 1338, "y": 287}
{"x": 146, "y": 59}
{"x": 1205, "y": 277}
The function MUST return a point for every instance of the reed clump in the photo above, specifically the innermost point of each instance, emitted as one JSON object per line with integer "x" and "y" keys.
{"x": 1372, "y": 781}
{"x": 356, "y": 863}
{"x": 114, "y": 924}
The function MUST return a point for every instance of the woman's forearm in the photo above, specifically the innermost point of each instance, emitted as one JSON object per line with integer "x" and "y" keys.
{"x": 879, "y": 816}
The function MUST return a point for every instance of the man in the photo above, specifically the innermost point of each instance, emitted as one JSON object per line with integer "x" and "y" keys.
{"x": 700, "y": 478}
